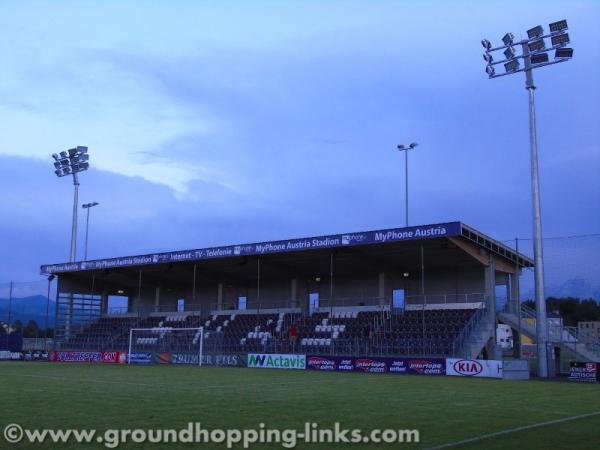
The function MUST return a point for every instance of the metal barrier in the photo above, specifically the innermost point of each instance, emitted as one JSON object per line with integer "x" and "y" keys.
{"x": 559, "y": 334}
{"x": 444, "y": 299}
{"x": 37, "y": 344}
{"x": 466, "y": 334}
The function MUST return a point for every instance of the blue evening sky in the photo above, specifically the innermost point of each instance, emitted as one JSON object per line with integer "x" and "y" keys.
{"x": 225, "y": 122}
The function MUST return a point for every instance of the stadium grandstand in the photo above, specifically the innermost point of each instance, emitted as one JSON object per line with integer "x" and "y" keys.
{"x": 421, "y": 290}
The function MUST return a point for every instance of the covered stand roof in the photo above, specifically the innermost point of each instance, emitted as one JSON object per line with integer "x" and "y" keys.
{"x": 394, "y": 248}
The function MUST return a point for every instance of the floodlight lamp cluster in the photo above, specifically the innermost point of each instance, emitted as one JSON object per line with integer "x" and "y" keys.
{"x": 72, "y": 161}
{"x": 535, "y": 51}
{"x": 407, "y": 147}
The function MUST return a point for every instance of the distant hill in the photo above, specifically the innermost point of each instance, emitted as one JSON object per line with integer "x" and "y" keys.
{"x": 575, "y": 287}
{"x": 28, "y": 308}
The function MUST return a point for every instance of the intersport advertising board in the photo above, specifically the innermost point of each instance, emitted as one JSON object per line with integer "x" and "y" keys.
{"x": 420, "y": 366}
{"x": 474, "y": 368}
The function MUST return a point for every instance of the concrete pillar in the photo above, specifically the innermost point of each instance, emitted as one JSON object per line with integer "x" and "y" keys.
{"x": 515, "y": 298}
{"x": 157, "y": 299}
{"x": 104, "y": 302}
{"x": 381, "y": 294}
{"x": 294, "y": 293}
{"x": 220, "y": 296}
{"x": 515, "y": 295}
{"x": 69, "y": 317}
{"x": 490, "y": 286}
{"x": 490, "y": 289}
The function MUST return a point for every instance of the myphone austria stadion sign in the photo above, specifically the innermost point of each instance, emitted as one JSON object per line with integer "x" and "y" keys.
{"x": 313, "y": 243}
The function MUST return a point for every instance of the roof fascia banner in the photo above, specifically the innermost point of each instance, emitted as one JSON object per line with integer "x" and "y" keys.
{"x": 311, "y": 243}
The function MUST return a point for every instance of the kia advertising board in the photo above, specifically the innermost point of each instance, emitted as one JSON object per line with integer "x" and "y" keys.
{"x": 276, "y": 361}
{"x": 474, "y": 368}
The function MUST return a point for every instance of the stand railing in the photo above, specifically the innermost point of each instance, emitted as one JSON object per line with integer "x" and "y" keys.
{"x": 444, "y": 299}
{"x": 465, "y": 335}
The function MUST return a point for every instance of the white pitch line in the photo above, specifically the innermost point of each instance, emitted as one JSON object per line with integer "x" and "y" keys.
{"x": 513, "y": 430}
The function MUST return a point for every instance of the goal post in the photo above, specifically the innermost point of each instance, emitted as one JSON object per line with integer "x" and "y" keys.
{"x": 179, "y": 345}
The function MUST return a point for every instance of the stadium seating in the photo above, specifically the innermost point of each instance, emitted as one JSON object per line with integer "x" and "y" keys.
{"x": 429, "y": 332}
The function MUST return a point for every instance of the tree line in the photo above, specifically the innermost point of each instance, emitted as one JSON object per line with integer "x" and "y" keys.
{"x": 572, "y": 310}
{"x": 31, "y": 330}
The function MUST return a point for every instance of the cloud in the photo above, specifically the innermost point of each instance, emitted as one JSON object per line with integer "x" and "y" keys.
{"x": 119, "y": 114}
{"x": 281, "y": 119}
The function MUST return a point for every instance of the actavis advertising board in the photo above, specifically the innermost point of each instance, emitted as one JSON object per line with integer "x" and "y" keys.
{"x": 276, "y": 361}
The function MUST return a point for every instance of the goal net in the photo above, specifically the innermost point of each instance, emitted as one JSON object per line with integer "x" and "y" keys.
{"x": 165, "y": 345}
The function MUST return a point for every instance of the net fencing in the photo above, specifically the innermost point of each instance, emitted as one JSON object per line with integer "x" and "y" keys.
{"x": 571, "y": 266}
{"x": 178, "y": 345}
{"x": 28, "y": 308}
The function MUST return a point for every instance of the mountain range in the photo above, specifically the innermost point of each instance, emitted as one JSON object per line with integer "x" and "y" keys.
{"x": 28, "y": 308}
{"x": 574, "y": 287}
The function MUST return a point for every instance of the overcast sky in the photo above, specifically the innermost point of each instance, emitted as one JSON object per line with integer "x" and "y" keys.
{"x": 227, "y": 122}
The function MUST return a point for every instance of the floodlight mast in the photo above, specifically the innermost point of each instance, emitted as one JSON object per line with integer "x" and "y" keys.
{"x": 74, "y": 223}
{"x": 72, "y": 162}
{"x": 405, "y": 149}
{"x": 558, "y": 34}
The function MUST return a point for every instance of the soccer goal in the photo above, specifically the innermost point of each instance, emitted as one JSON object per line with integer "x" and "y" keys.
{"x": 165, "y": 345}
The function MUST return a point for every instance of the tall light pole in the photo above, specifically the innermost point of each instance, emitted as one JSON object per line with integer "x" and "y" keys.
{"x": 10, "y": 292}
{"x": 50, "y": 278}
{"x": 405, "y": 149}
{"x": 87, "y": 206}
{"x": 72, "y": 162}
{"x": 534, "y": 55}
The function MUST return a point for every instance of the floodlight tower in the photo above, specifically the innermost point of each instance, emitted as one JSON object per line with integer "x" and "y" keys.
{"x": 405, "y": 149}
{"x": 72, "y": 162}
{"x": 534, "y": 55}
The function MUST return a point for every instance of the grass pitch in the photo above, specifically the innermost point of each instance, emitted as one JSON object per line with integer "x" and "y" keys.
{"x": 443, "y": 409}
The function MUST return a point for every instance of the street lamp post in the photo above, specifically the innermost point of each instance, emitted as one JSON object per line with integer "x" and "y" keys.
{"x": 534, "y": 55}
{"x": 72, "y": 162}
{"x": 87, "y": 206}
{"x": 405, "y": 149}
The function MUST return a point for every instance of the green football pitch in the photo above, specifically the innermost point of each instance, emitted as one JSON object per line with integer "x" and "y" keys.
{"x": 445, "y": 410}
